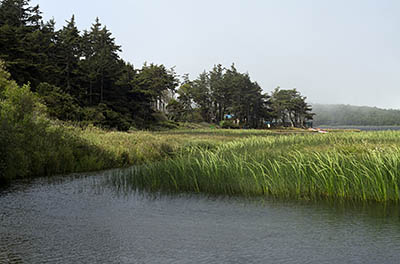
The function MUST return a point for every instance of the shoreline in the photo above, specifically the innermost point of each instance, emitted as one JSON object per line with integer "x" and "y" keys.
{"x": 300, "y": 165}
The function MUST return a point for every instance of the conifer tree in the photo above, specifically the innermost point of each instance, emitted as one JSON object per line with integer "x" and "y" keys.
{"x": 69, "y": 52}
{"x": 20, "y": 26}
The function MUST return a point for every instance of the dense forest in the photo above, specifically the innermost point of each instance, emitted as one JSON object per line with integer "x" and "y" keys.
{"x": 348, "y": 115}
{"x": 81, "y": 78}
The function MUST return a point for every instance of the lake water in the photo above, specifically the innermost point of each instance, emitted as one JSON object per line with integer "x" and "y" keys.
{"x": 85, "y": 220}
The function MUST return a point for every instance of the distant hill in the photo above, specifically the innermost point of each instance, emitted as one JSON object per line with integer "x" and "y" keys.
{"x": 349, "y": 115}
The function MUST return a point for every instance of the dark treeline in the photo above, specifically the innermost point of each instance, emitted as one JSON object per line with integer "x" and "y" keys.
{"x": 226, "y": 96}
{"x": 219, "y": 93}
{"x": 349, "y": 115}
{"x": 80, "y": 77}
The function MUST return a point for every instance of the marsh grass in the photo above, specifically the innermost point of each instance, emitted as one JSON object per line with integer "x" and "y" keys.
{"x": 45, "y": 149}
{"x": 288, "y": 164}
{"x": 349, "y": 166}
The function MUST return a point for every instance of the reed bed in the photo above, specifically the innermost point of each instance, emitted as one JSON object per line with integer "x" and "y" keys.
{"x": 48, "y": 149}
{"x": 351, "y": 166}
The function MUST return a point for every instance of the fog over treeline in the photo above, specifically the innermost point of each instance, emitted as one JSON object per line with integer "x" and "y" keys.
{"x": 340, "y": 114}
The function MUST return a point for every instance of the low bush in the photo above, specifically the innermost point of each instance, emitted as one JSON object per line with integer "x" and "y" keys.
{"x": 228, "y": 124}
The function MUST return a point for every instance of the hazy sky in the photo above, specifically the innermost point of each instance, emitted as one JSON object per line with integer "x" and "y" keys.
{"x": 336, "y": 51}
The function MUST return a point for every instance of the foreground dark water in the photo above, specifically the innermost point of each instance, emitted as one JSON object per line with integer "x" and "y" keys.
{"x": 84, "y": 220}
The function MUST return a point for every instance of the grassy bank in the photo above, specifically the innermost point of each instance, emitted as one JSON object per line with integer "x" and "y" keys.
{"x": 351, "y": 166}
{"x": 285, "y": 163}
{"x": 39, "y": 147}
{"x": 279, "y": 163}
{"x": 32, "y": 145}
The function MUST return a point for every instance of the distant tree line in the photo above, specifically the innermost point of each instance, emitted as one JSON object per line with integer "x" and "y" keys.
{"x": 348, "y": 115}
{"x": 81, "y": 78}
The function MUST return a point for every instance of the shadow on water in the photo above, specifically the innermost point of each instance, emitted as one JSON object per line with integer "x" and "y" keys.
{"x": 118, "y": 181}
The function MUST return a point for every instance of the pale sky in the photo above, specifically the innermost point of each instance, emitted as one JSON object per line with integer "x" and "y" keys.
{"x": 332, "y": 51}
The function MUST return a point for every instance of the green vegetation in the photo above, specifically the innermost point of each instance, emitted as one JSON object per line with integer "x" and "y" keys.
{"x": 348, "y": 115}
{"x": 80, "y": 77}
{"x": 227, "y": 97}
{"x": 32, "y": 145}
{"x": 351, "y": 166}
{"x": 67, "y": 83}
{"x": 282, "y": 163}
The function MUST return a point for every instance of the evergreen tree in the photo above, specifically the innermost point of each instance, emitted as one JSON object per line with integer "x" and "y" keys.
{"x": 289, "y": 106}
{"x": 81, "y": 77}
{"x": 69, "y": 52}
{"x": 20, "y": 27}
{"x": 185, "y": 100}
{"x": 223, "y": 92}
{"x": 101, "y": 61}
{"x": 152, "y": 83}
{"x": 201, "y": 95}
{"x": 18, "y": 13}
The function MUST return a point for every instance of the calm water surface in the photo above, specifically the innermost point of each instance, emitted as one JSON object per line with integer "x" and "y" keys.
{"x": 84, "y": 220}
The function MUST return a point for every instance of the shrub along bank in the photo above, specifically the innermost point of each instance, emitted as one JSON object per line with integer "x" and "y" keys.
{"x": 32, "y": 145}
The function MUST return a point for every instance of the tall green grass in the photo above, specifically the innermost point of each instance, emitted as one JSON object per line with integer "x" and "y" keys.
{"x": 33, "y": 145}
{"x": 351, "y": 166}
{"x": 45, "y": 149}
